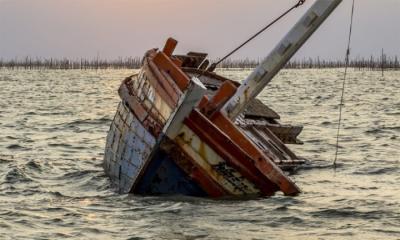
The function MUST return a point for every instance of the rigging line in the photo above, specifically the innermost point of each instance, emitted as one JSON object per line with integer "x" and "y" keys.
{"x": 344, "y": 85}
{"x": 214, "y": 65}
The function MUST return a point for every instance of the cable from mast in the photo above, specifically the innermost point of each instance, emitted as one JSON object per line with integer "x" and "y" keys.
{"x": 214, "y": 65}
{"x": 344, "y": 85}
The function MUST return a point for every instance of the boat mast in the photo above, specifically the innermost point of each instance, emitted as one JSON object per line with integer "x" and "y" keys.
{"x": 279, "y": 56}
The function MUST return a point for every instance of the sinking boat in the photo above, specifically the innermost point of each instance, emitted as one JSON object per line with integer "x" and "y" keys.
{"x": 182, "y": 129}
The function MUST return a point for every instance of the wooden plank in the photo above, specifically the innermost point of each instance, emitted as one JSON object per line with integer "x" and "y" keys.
{"x": 188, "y": 102}
{"x": 265, "y": 133}
{"x": 263, "y": 162}
{"x": 207, "y": 169}
{"x": 177, "y": 61}
{"x": 161, "y": 84}
{"x": 222, "y": 95}
{"x": 229, "y": 151}
{"x": 165, "y": 63}
{"x": 146, "y": 117}
{"x": 133, "y": 102}
{"x": 128, "y": 148}
{"x": 214, "y": 165}
{"x": 257, "y": 109}
{"x": 170, "y": 46}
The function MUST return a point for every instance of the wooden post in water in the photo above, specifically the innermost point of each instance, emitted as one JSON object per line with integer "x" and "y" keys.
{"x": 383, "y": 63}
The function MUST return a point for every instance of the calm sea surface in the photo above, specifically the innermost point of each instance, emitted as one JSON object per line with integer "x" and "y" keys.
{"x": 53, "y": 126}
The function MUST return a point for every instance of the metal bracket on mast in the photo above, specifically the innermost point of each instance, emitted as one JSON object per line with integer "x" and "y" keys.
{"x": 279, "y": 56}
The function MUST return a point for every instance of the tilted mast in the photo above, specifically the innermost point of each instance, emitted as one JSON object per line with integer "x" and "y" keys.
{"x": 279, "y": 56}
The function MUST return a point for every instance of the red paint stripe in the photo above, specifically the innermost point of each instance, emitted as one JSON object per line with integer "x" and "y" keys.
{"x": 229, "y": 151}
{"x": 263, "y": 162}
{"x": 170, "y": 46}
{"x": 165, "y": 63}
{"x": 208, "y": 184}
{"x": 224, "y": 93}
{"x": 163, "y": 86}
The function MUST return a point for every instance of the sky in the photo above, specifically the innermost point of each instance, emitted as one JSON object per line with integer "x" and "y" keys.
{"x": 121, "y": 28}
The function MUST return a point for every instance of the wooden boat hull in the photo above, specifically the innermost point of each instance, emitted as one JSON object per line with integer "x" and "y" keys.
{"x": 169, "y": 137}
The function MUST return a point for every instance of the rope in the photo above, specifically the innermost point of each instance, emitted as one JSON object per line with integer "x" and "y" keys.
{"x": 344, "y": 85}
{"x": 214, "y": 65}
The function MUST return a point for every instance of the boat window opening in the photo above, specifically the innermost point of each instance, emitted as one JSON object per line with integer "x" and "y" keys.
{"x": 154, "y": 104}
{"x": 141, "y": 95}
{"x": 151, "y": 101}
{"x": 140, "y": 86}
{"x": 145, "y": 89}
{"x": 151, "y": 95}
{"x": 160, "y": 118}
{"x": 165, "y": 111}
{"x": 147, "y": 103}
{"x": 140, "y": 80}
{"x": 135, "y": 83}
{"x": 157, "y": 102}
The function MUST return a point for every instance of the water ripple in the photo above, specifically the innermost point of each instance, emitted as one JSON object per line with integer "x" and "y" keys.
{"x": 52, "y": 185}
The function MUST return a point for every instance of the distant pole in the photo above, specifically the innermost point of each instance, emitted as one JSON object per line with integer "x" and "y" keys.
{"x": 97, "y": 60}
{"x": 383, "y": 63}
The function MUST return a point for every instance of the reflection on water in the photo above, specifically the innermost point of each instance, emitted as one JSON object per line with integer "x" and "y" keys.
{"x": 52, "y": 133}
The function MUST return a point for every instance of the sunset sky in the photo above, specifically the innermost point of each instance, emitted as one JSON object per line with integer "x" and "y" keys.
{"x": 87, "y": 28}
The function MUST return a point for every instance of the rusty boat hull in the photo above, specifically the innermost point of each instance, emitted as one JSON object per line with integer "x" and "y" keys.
{"x": 169, "y": 135}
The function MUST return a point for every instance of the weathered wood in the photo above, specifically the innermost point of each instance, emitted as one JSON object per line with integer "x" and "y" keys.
{"x": 165, "y": 63}
{"x": 164, "y": 88}
{"x": 170, "y": 46}
{"x": 189, "y": 101}
{"x": 222, "y": 95}
{"x": 229, "y": 151}
{"x": 195, "y": 149}
{"x": 265, "y": 163}
{"x": 257, "y": 109}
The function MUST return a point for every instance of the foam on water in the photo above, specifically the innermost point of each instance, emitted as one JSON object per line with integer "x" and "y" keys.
{"x": 53, "y": 127}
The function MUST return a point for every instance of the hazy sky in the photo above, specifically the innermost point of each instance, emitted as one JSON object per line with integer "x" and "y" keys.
{"x": 112, "y": 28}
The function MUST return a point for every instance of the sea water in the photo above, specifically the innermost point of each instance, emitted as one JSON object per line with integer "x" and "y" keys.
{"x": 53, "y": 126}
